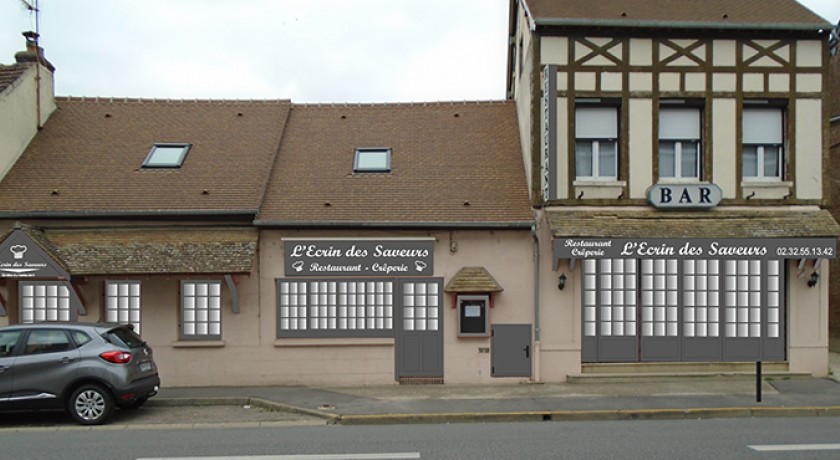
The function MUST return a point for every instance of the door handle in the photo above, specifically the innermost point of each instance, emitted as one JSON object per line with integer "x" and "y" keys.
{"x": 527, "y": 351}
{"x": 2, "y": 368}
{"x": 66, "y": 360}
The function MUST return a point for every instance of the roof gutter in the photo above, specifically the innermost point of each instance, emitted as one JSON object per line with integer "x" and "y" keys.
{"x": 523, "y": 224}
{"x": 573, "y": 22}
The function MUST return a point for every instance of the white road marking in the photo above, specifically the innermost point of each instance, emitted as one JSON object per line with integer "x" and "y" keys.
{"x": 372, "y": 456}
{"x": 794, "y": 447}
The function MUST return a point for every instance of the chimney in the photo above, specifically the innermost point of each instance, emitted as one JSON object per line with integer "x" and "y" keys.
{"x": 33, "y": 53}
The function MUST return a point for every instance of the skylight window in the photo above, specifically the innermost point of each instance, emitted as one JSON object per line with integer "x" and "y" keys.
{"x": 166, "y": 156}
{"x": 372, "y": 160}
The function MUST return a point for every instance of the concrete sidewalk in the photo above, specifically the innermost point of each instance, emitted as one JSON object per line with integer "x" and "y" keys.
{"x": 685, "y": 398}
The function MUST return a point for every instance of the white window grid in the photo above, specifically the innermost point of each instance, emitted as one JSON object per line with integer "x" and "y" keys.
{"x": 596, "y": 159}
{"x": 421, "y": 306}
{"x": 762, "y": 162}
{"x": 660, "y": 292}
{"x": 610, "y": 293}
{"x": 122, "y": 303}
{"x": 201, "y": 309}
{"x": 336, "y": 305}
{"x": 742, "y": 298}
{"x": 774, "y": 299}
{"x": 679, "y": 159}
{"x": 701, "y": 298}
{"x": 45, "y": 301}
{"x": 590, "y": 297}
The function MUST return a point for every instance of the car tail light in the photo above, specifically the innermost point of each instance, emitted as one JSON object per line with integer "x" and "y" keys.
{"x": 116, "y": 357}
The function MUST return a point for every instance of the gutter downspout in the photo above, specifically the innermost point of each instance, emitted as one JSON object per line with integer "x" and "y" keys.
{"x": 537, "y": 347}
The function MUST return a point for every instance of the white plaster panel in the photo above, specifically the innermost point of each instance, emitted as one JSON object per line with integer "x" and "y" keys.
{"x": 809, "y": 148}
{"x": 562, "y": 81}
{"x": 809, "y": 83}
{"x": 695, "y": 81}
{"x": 779, "y": 82}
{"x": 753, "y": 82}
{"x": 724, "y": 145}
{"x": 669, "y": 81}
{"x": 640, "y": 146}
{"x": 641, "y": 81}
{"x": 562, "y": 171}
{"x": 723, "y": 52}
{"x": 809, "y": 53}
{"x": 554, "y": 50}
{"x": 724, "y": 82}
{"x": 611, "y": 81}
{"x": 585, "y": 81}
{"x": 641, "y": 51}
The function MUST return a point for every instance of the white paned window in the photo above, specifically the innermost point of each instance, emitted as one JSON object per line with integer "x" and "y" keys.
{"x": 614, "y": 300}
{"x": 679, "y": 143}
{"x": 701, "y": 298}
{"x": 596, "y": 143}
{"x": 660, "y": 296}
{"x": 742, "y": 298}
{"x": 590, "y": 297}
{"x": 45, "y": 301}
{"x": 774, "y": 300}
{"x": 763, "y": 142}
{"x": 335, "y": 307}
{"x": 201, "y": 309}
{"x": 421, "y": 306}
{"x": 122, "y": 303}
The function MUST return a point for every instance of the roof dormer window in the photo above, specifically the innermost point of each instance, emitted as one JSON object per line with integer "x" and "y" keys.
{"x": 372, "y": 160}
{"x": 166, "y": 156}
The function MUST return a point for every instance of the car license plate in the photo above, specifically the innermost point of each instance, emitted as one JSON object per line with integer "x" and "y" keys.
{"x": 145, "y": 367}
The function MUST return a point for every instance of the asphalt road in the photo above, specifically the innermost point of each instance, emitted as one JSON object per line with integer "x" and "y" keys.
{"x": 720, "y": 439}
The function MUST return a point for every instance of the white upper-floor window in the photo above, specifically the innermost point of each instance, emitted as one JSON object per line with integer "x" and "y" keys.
{"x": 763, "y": 143}
{"x": 680, "y": 143}
{"x": 596, "y": 143}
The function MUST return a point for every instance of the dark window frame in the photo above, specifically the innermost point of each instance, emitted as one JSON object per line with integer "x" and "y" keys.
{"x": 358, "y": 166}
{"x": 481, "y": 301}
{"x": 185, "y": 149}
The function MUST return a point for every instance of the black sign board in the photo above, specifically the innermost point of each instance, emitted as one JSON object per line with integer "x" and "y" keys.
{"x": 21, "y": 257}
{"x": 695, "y": 248}
{"x": 359, "y": 257}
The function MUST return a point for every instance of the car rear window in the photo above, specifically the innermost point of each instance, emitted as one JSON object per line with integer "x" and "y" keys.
{"x": 124, "y": 337}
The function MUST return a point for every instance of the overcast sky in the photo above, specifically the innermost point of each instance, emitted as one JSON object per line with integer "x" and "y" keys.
{"x": 304, "y": 50}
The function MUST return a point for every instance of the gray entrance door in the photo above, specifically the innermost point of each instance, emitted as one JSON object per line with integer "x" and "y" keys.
{"x": 689, "y": 310}
{"x": 419, "y": 341}
{"x": 510, "y": 348}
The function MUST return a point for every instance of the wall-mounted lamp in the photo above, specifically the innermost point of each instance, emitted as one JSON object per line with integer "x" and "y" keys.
{"x": 561, "y": 282}
{"x": 813, "y": 280}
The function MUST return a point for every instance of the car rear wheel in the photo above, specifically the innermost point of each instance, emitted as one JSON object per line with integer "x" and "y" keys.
{"x": 91, "y": 404}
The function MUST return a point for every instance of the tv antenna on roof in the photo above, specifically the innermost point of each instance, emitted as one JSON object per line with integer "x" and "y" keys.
{"x": 32, "y": 6}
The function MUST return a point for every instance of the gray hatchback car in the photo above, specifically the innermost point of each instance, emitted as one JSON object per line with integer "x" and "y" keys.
{"x": 86, "y": 369}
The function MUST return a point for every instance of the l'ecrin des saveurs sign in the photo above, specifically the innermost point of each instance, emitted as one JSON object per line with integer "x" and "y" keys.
{"x": 359, "y": 257}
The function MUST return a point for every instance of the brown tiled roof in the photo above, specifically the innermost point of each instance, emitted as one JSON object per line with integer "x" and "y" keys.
{"x": 88, "y": 157}
{"x": 158, "y": 250}
{"x": 718, "y": 223}
{"x": 680, "y": 13}
{"x": 9, "y": 74}
{"x": 473, "y": 279}
{"x": 451, "y": 163}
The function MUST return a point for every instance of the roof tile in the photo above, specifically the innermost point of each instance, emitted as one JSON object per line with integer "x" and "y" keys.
{"x": 88, "y": 158}
{"x": 727, "y": 13}
{"x": 451, "y": 162}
